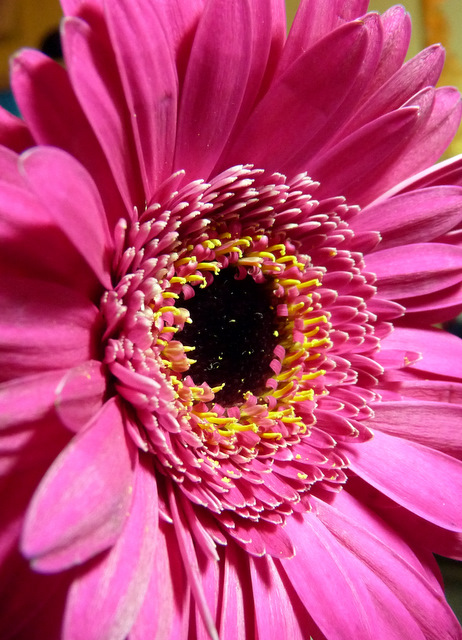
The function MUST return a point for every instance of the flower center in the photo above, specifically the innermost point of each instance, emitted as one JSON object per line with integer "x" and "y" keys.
{"x": 239, "y": 335}
{"x": 234, "y": 333}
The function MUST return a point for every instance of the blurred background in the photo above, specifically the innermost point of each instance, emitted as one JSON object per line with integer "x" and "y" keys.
{"x": 32, "y": 23}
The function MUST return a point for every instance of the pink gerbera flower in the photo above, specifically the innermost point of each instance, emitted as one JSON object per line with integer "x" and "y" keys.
{"x": 226, "y": 410}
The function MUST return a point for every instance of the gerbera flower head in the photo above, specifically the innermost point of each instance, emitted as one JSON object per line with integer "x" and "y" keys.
{"x": 226, "y": 408}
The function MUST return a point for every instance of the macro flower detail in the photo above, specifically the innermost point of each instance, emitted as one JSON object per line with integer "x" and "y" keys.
{"x": 219, "y": 438}
{"x": 226, "y": 408}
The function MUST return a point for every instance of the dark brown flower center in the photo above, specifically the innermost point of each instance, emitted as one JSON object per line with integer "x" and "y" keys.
{"x": 234, "y": 331}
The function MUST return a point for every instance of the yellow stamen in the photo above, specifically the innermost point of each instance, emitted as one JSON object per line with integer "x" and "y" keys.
{"x": 209, "y": 266}
{"x": 271, "y": 436}
{"x": 185, "y": 260}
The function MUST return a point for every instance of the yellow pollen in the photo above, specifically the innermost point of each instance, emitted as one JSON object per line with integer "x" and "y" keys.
{"x": 284, "y": 391}
{"x": 278, "y": 247}
{"x": 313, "y": 356}
{"x": 271, "y": 435}
{"x": 175, "y": 310}
{"x": 288, "y": 374}
{"x": 290, "y": 282}
{"x": 319, "y": 319}
{"x": 309, "y": 283}
{"x": 266, "y": 254}
{"x": 169, "y": 329}
{"x": 295, "y": 308}
{"x": 304, "y": 395}
{"x": 185, "y": 260}
{"x": 316, "y": 343}
{"x": 250, "y": 262}
{"x": 229, "y": 249}
{"x": 193, "y": 277}
{"x": 211, "y": 243}
{"x": 313, "y": 374}
{"x": 313, "y": 332}
{"x": 292, "y": 259}
{"x": 217, "y": 420}
{"x": 219, "y": 388}
{"x": 291, "y": 420}
{"x": 234, "y": 427}
{"x": 295, "y": 356}
{"x": 279, "y": 415}
{"x": 209, "y": 266}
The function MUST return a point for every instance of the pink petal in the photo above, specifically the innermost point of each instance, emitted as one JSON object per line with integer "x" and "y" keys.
{"x": 416, "y": 421}
{"x": 432, "y": 390}
{"x": 268, "y": 26}
{"x": 9, "y": 168}
{"x": 79, "y": 395}
{"x": 278, "y": 36}
{"x": 415, "y": 269}
{"x": 313, "y": 21}
{"x": 23, "y": 592}
{"x": 430, "y": 140}
{"x": 75, "y": 7}
{"x": 48, "y": 104}
{"x": 180, "y": 21}
{"x": 43, "y": 326}
{"x": 214, "y": 85}
{"x": 104, "y": 600}
{"x": 14, "y": 134}
{"x": 420, "y": 533}
{"x": 190, "y": 563}
{"x": 430, "y": 213}
{"x": 283, "y": 609}
{"x": 91, "y": 66}
{"x": 301, "y": 109}
{"x": 29, "y": 241}
{"x": 433, "y": 308}
{"x": 237, "y": 611}
{"x": 396, "y": 26}
{"x": 389, "y": 571}
{"x": 80, "y": 217}
{"x": 441, "y": 351}
{"x": 320, "y": 572}
{"x": 165, "y": 612}
{"x": 75, "y": 394}
{"x": 440, "y": 130}
{"x": 417, "y": 74}
{"x": 353, "y": 508}
{"x": 211, "y": 582}
{"x": 150, "y": 84}
{"x": 385, "y": 139}
{"x": 81, "y": 505}
{"x": 424, "y": 481}
{"x": 29, "y": 448}
{"x": 443, "y": 173}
